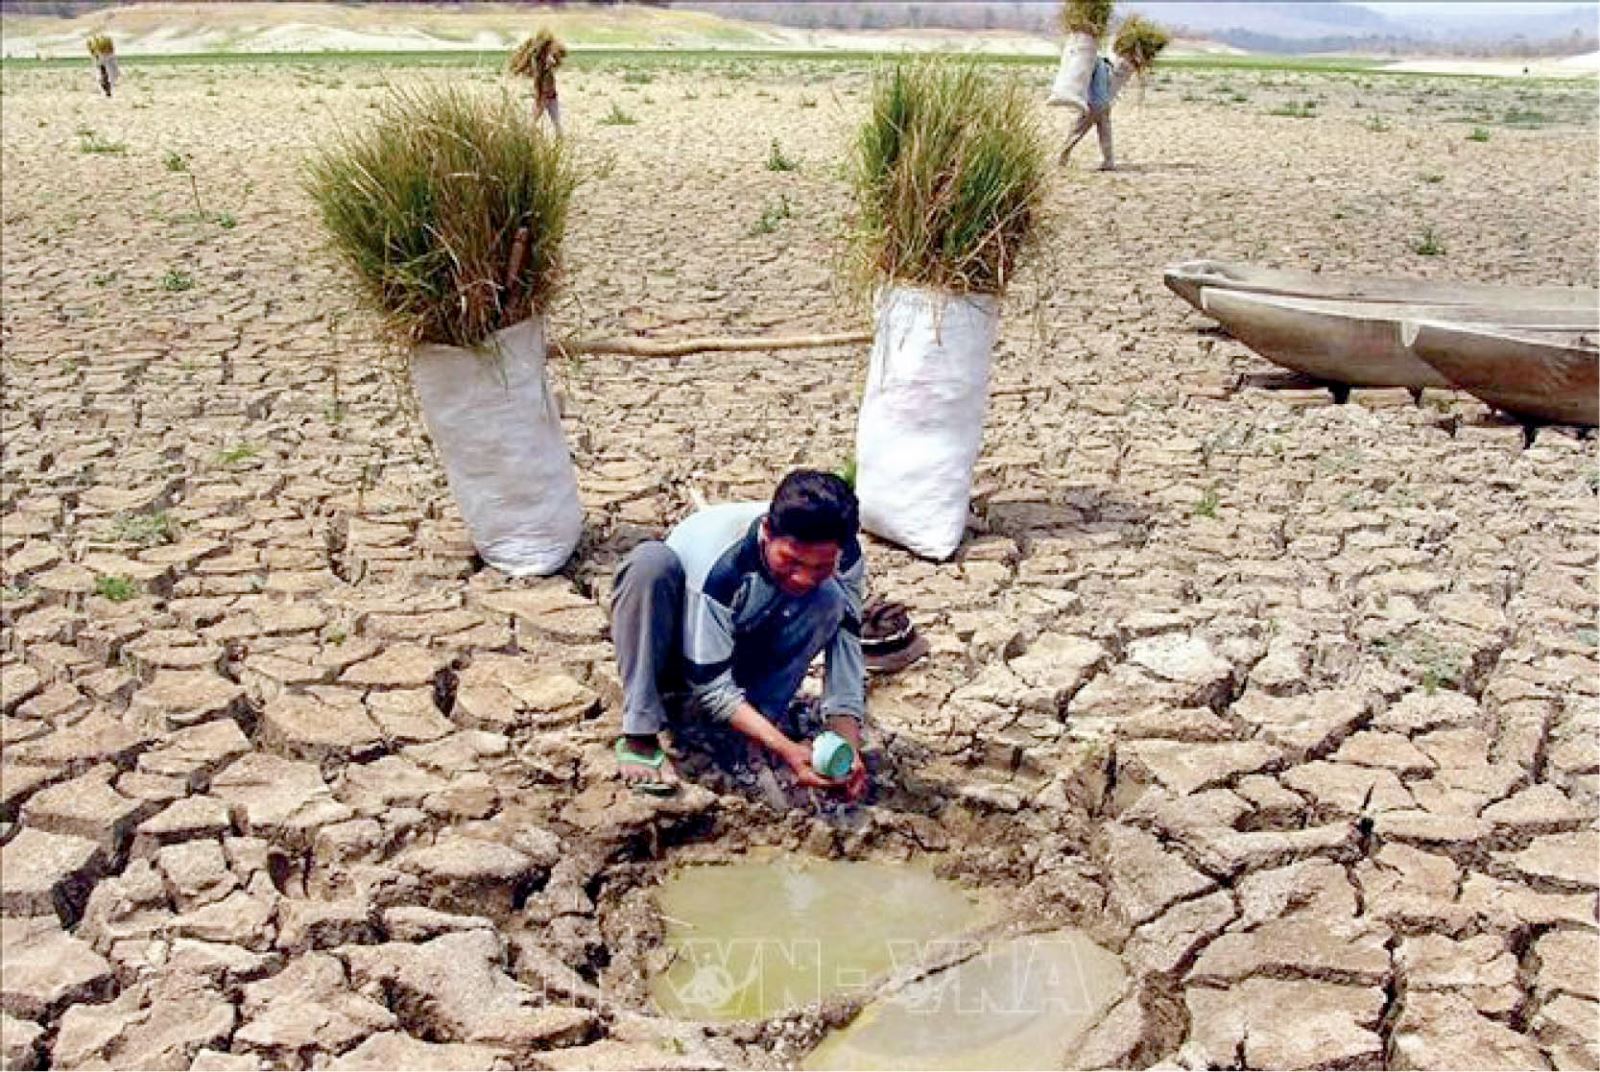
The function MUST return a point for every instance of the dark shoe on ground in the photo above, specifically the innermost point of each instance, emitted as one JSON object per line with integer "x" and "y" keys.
{"x": 889, "y": 642}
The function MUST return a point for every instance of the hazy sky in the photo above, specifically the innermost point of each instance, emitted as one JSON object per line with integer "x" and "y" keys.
{"x": 1461, "y": 10}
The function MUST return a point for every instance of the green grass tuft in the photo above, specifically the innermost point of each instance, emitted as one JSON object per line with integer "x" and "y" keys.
{"x": 115, "y": 588}
{"x": 776, "y": 161}
{"x": 176, "y": 280}
{"x": 147, "y": 530}
{"x": 771, "y": 216}
{"x": 241, "y": 452}
{"x": 948, "y": 172}
{"x": 89, "y": 141}
{"x": 1478, "y": 134}
{"x": 616, "y": 117}
{"x": 1428, "y": 244}
{"x": 450, "y": 209}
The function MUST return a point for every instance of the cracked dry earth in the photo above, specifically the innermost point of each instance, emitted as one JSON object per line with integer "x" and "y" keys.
{"x": 1291, "y": 704}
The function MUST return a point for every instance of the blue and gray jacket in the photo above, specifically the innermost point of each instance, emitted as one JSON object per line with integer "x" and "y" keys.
{"x": 729, "y": 595}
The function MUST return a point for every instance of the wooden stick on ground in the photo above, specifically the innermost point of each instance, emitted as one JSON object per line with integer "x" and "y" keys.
{"x": 680, "y": 347}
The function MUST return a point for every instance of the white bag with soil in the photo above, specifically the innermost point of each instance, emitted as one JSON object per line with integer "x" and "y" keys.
{"x": 1078, "y": 57}
{"x": 921, "y": 421}
{"x": 498, "y": 431}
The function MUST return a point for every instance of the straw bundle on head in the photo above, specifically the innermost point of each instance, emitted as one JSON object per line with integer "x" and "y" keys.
{"x": 451, "y": 209}
{"x": 100, "y": 45}
{"x": 948, "y": 171}
{"x": 536, "y": 55}
{"x": 1139, "y": 41}
{"x": 1087, "y": 16}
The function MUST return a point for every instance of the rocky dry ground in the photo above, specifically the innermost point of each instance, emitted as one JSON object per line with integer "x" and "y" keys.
{"x": 1293, "y": 704}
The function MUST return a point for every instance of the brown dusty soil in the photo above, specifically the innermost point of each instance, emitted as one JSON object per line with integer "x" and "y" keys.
{"x": 1290, "y": 703}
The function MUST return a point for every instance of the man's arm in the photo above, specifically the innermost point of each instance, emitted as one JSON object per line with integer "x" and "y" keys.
{"x": 844, "y": 691}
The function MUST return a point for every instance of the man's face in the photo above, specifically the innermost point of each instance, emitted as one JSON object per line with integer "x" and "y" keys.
{"x": 797, "y": 567}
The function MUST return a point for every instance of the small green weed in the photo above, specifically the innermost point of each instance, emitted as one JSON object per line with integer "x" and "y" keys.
{"x": 116, "y": 588}
{"x": 104, "y": 279}
{"x": 1478, "y": 134}
{"x": 776, "y": 161}
{"x": 771, "y": 216}
{"x": 617, "y": 117}
{"x": 1300, "y": 109}
{"x": 1432, "y": 178}
{"x": 156, "y": 527}
{"x": 1428, "y": 244}
{"x": 1207, "y": 505}
{"x": 176, "y": 280}
{"x": 240, "y": 452}
{"x": 638, "y": 78}
{"x": 91, "y": 142}
{"x": 1378, "y": 124}
{"x": 175, "y": 161}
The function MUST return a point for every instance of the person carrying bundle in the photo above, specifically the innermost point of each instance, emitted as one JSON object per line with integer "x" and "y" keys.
{"x": 537, "y": 58}
{"x": 1137, "y": 44}
{"x": 105, "y": 61}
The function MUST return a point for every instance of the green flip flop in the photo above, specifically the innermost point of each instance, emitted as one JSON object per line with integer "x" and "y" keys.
{"x": 655, "y": 788}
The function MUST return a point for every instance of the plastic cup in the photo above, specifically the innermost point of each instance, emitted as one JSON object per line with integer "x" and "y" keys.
{"x": 832, "y": 756}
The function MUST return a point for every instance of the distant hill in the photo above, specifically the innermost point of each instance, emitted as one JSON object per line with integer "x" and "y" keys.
{"x": 59, "y": 29}
{"x": 1290, "y": 27}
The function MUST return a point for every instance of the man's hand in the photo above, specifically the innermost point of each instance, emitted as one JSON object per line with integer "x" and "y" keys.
{"x": 855, "y": 783}
{"x": 797, "y": 758}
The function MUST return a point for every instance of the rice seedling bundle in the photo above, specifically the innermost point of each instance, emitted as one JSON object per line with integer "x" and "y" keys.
{"x": 1092, "y": 17}
{"x": 450, "y": 211}
{"x": 536, "y": 55}
{"x": 100, "y": 45}
{"x": 948, "y": 172}
{"x": 1139, "y": 41}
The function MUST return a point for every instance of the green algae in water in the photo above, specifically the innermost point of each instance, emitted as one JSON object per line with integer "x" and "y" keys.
{"x": 755, "y": 938}
{"x": 1025, "y": 1003}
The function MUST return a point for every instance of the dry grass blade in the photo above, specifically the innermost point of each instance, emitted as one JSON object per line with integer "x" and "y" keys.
{"x": 948, "y": 171}
{"x": 450, "y": 209}
{"x": 1139, "y": 41}
{"x": 1092, "y": 17}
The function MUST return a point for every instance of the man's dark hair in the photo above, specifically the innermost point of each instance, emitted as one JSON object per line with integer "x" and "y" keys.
{"x": 814, "y": 507}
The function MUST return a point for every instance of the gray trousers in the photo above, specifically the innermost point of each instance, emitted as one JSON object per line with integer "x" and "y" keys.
{"x": 1101, "y": 121}
{"x": 769, "y": 663}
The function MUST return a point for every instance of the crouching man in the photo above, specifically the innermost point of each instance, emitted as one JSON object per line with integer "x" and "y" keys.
{"x": 735, "y": 605}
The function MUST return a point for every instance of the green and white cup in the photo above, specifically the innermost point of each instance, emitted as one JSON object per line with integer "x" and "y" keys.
{"x": 832, "y": 756}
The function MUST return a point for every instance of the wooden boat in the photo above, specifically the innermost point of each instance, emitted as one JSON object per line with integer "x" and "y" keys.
{"x": 1537, "y": 375}
{"x": 1358, "y": 344}
{"x": 1186, "y": 279}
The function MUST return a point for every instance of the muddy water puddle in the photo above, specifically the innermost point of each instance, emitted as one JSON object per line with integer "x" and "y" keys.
{"x": 1023, "y": 1003}
{"x": 757, "y": 937}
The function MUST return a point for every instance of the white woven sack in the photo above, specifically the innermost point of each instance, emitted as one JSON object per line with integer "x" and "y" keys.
{"x": 1078, "y": 57}
{"x": 499, "y": 434}
{"x": 921, "y": 421}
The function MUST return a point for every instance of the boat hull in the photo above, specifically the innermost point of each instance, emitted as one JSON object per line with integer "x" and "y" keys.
{"x": 1548, "y": 377}
{"x": 1188, "y": 278}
